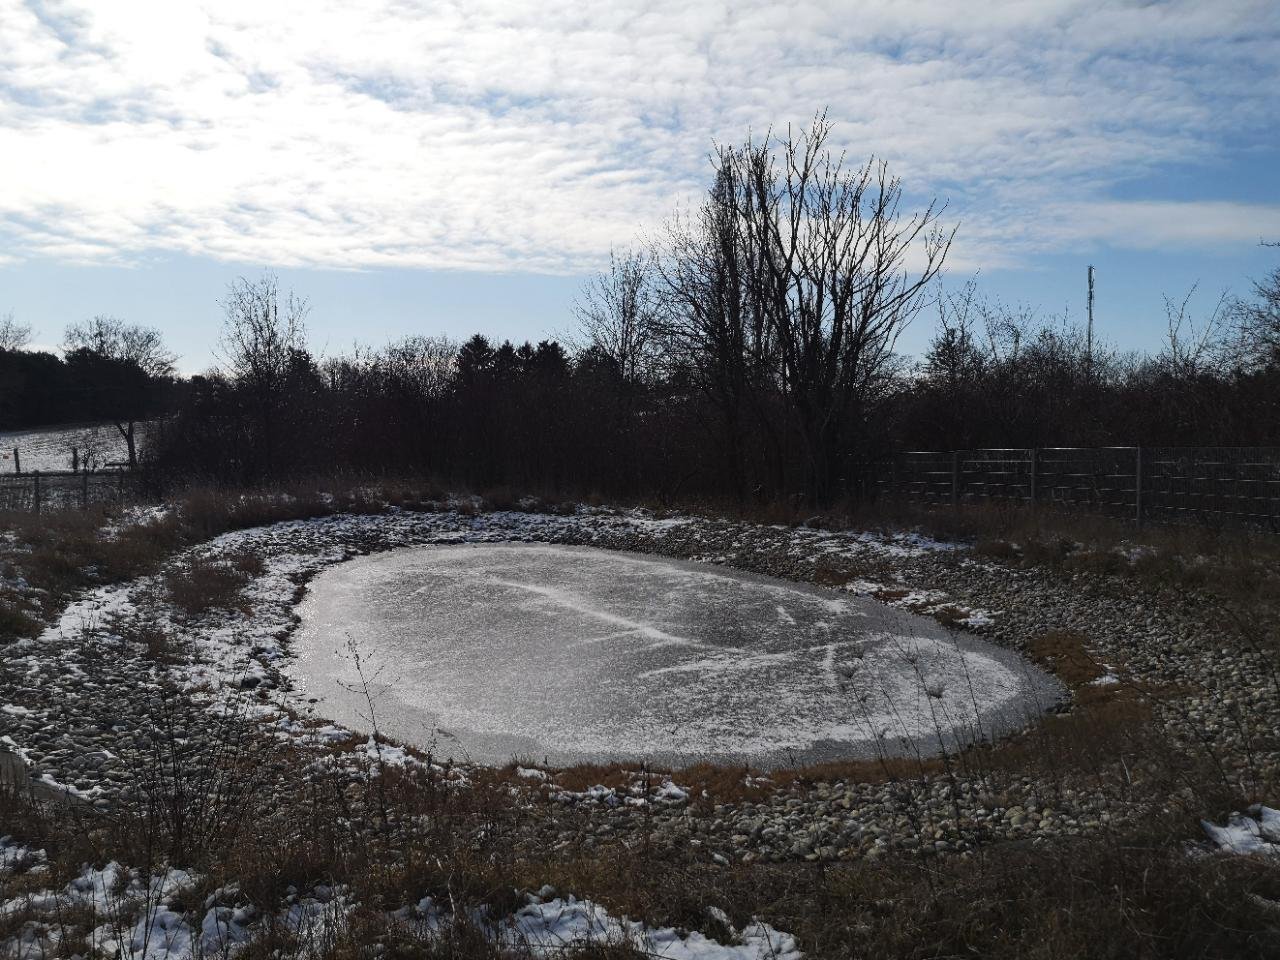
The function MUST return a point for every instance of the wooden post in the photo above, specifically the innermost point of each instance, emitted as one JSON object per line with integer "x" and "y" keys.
{"x": 1137, "y": 484}
{"x": 84, "y": 489}
{"x": 17, "y": 461}
{"x": 36, "y": 487}
{"x": 955, "y": 478}
{"x": 1035, "y": 460}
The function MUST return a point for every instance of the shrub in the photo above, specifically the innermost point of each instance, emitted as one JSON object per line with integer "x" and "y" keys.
{"x": 248, "y": 563}
{"x": 203, "y": 584}
{"x": 16, "y": 622}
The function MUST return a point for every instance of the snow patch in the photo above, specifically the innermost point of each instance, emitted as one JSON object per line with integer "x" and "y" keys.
{"x": 551, "y": 928}
{"x": 1254, "y": 833}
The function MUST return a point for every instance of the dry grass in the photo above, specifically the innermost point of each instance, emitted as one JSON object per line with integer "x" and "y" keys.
{"x": 1076, "y": 899}
{"x": 16, "y": 622}
{"x": 1229, "y": 563}
{"x": 1131, "y": 892}
{"x": 61, "y": 553}
{"x": 158, "y": 645}
{"x": 202, "y": 584}
{"x": 500, "y": 498}
{"x": 1127, "y": 891}
{"x": 1065, "y": 653}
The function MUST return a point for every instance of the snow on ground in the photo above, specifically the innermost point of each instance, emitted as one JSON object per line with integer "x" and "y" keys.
{"x": 15, "y": 857}
{"x": 135, "y": 516}
{"x": 121, "y": 913}
{"x": 549, "y": 928}
{"x": 640, "y": 791}
{"x": 924, "y": 602}
{"x": 901, "y": 545}
{"x": 1255, "y": 832}
{"x": 49, "y": 448}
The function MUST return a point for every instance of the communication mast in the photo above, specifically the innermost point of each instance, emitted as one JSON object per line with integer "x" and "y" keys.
{"x": 1089, "y": 333}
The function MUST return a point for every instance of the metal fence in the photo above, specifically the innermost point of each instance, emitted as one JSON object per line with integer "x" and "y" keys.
{"x": 1205, "y": 485}
{"x": 38, "y": 491}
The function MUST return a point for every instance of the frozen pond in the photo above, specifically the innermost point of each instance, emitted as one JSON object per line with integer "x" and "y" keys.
{"x": 566, "y": 654}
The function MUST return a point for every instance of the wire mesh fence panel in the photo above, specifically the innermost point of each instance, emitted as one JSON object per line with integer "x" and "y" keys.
{"x": 994, "y": 474}
{"x": 16, "y": 493}
{"x": 1096, "y": 479}
{"x": 1214, "y": 485}
{"x": 38, "y": 492}
{"x": 924, "y": 475}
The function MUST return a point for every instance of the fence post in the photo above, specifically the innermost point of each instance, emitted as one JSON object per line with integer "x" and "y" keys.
{"x": 955, "y": 478}
{"x": 36, "y": 483}
{"x": 1035, "y": 457}
{"x": 17, "y": 461}
{"x": 1137, "y": 484}
{"x": 84, "y": 490}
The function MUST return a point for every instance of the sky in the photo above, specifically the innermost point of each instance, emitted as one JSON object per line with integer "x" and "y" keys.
{"x": 413, "y": 166}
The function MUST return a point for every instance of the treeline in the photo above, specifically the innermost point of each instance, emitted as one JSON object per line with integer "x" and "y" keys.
{"x": 39, "y": 389}
{"x": 108, "y": 370}
{"x": 582, "y": 418}
{"x": 478, "y": 414}
{"x": 996, "y": 378}
{"x": 749, "y": 353}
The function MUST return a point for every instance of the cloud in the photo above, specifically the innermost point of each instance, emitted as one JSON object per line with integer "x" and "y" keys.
{"x": 1152, "y": 225}
{"x": 534, "y": 137}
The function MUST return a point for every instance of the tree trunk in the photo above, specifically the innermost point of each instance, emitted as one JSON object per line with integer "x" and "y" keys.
{"x": 126, "y": 431}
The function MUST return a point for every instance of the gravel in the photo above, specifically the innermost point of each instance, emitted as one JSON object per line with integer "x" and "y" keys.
{"x": 82, "y": 704}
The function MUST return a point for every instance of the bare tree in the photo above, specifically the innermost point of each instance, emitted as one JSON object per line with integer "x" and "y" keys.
{"x": 796, "y": 278}
{"x": 13, "y": 335}
{"x": 263, "y": 335}
{"x": 421, "y": 366}
{"x": 956, "y": 354}
{"x": 108, "y": 336}
{"x": 1258, "y": 321}
{"x": 124, "y": 366}
{"x": 711, "y": 330}
{"x": 1194, "y": 347}
{"x": 618, "y": 313}
{"x": 835, "y": 285}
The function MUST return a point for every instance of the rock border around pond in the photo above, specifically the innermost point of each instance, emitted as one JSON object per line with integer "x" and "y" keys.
{"x": 83, "y": 692}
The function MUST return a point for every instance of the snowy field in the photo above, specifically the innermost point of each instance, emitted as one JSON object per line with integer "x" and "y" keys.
{"x": 50, "y": 448}
{"x": 570, "y": 654}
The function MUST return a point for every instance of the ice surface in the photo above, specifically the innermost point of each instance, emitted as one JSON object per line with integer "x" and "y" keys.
{"x": 564, "y": 653}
